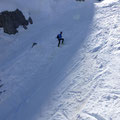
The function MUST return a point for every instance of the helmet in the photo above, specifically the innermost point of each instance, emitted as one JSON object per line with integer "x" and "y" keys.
{"x": 60, "y": 32}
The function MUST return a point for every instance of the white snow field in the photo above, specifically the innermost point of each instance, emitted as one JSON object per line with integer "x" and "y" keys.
{"x": 80, "y": 80}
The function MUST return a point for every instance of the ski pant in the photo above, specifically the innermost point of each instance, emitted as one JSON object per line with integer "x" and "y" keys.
{"x": 62, "y": 39}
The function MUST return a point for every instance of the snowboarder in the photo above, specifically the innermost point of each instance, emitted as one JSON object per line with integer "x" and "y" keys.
{"x": 60, "y": 38}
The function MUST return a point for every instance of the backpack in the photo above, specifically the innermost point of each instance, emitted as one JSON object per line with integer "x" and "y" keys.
{"x": 57, "y": 36}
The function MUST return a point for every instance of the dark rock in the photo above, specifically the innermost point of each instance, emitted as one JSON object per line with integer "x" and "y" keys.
{"x": 30, "y": 20}
{"x": 1, "y": 85}
{"x": 25, "y": 27}
{"x": 34, "y": 44}
{"x": 1, "y": 20}
{"x": 10, "y": 21}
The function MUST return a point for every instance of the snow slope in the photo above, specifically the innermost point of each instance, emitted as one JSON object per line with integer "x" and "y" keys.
{"x": 79, "y": 80}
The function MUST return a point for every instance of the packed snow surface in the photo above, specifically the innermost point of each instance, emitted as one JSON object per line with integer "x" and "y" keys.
{"x": 79, "y": 80}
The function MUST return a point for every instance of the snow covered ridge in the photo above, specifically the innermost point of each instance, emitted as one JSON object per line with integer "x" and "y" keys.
{"x": 46, "y": 6}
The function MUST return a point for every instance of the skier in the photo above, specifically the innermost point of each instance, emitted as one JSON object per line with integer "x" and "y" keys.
{"x": 59, "y": 37}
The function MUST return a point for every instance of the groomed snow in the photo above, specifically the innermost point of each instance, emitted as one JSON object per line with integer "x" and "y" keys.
{"x": 79, "y": 80}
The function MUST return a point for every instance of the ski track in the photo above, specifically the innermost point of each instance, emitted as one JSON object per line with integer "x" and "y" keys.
{"x": 88, "y": 87}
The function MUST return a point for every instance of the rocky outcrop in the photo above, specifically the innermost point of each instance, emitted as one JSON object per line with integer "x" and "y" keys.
{"x": 10, "y": 21}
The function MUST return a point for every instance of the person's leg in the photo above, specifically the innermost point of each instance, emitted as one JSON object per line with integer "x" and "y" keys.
{"x": 62, "y": 40}
{"x": 58, "y": 42}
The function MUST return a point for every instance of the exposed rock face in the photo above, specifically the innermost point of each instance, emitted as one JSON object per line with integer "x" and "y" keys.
{"x": 10, "y": 21}
{"x": 30, "y": 20}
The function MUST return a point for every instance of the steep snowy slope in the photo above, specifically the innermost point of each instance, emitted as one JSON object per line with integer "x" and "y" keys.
{"x": 91, "y": 89}
{"x": 30, "y": 75}
{"x": 79, "y": 80}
